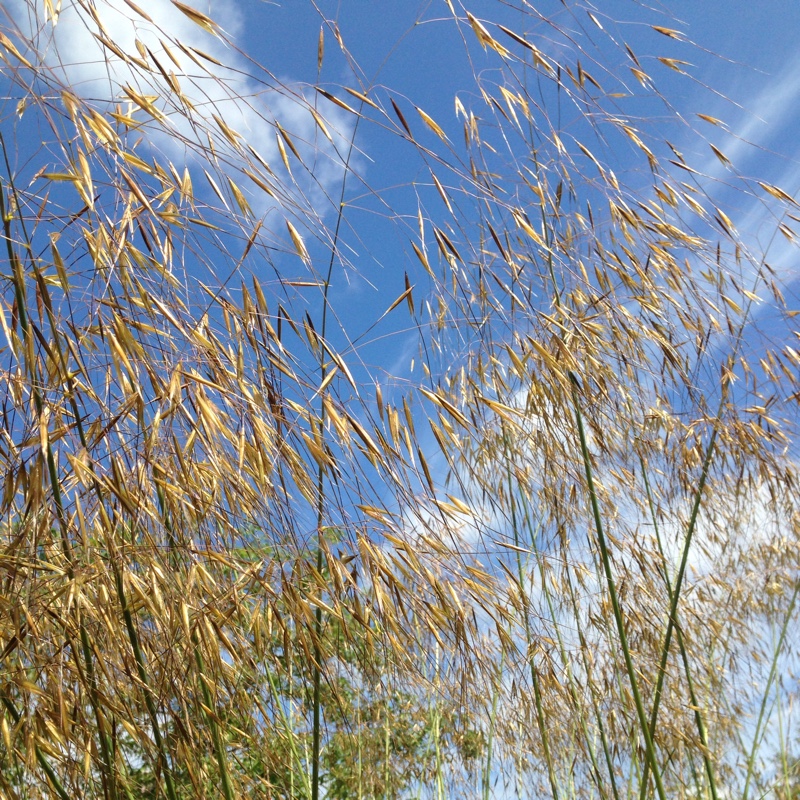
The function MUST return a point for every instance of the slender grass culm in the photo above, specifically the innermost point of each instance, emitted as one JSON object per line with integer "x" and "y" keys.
{"x": 395, "y": 402}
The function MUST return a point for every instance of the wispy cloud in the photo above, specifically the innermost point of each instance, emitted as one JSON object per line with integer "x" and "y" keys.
{"x": 204, "y": 92}
{"x": 764, "y": 118}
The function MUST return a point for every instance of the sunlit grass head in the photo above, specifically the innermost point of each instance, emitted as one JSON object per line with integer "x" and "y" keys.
{"x": 376, "y": 434}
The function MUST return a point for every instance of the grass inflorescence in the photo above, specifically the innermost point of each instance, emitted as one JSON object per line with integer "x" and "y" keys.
{"x": 524, "y": 524}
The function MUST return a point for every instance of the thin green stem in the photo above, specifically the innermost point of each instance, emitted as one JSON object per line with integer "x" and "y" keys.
{"x": 487, "y": 769}
{"x": 537, "y": 690}
{"x": 698, "y": 716}
{"x": 107, "y": 767}
{"x": 772, "y": 672}
{"x": 650, "y": 754}
{"x": 40, "y": 756}
{"x": 599, "y": 782}
{"x": 146, "y": 688}
{"x": 219, "y": 744}
{"x": 316, "y": 730}
{"x": 675, "y": 593}
{"x": 288, "y": 726}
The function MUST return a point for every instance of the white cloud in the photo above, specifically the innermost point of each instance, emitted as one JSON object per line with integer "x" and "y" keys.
{"x": 769, "y": 110}
{"x": 144, "y": 55}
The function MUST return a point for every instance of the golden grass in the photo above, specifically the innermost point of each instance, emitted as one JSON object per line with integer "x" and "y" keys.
{"x": 237, "y": 560}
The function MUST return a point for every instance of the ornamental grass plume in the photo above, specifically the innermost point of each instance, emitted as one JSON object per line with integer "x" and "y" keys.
{"x": 523, "y": 524}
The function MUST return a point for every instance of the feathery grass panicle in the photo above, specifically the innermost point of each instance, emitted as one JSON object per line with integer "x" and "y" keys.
{"x": 242, "y": 555}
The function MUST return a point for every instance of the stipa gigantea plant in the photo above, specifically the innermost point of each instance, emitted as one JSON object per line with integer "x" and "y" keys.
{"x": 227, "y": 566}
{"x": 555, "y": 365}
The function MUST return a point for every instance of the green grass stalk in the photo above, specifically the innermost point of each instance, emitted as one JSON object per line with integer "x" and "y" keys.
{"x": 288, "y": 726}
{"x": 537, "y": 690}
{"x": 599, "y": 782}
{"x": 40, "y": 756}
{"x": 698, "y": 716}
{"x": 219, "y": 744}
{"x": 316, "y": 738}
{"x": 436, "y": 735}
{"x": 147, "y": 690}
{"x": 771, "y": 678}
{"x": 487, "y": 767}
{"x": 18, "y": 277}
{"x": 650, "y": 754}
{"x": 387, "y": 753}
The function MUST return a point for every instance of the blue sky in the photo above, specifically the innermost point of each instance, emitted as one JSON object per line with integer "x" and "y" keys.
{"x": 415, "y": 54}
{"x": 745, "y": 52}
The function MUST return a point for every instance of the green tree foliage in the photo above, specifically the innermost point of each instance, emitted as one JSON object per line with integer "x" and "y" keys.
{"x": 377, "y": 739}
